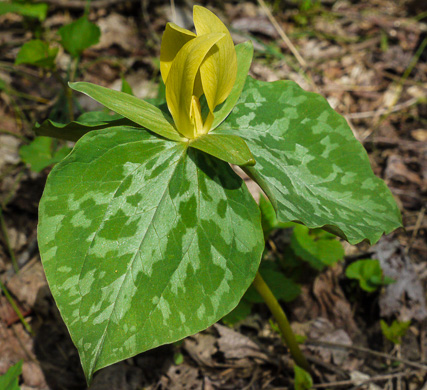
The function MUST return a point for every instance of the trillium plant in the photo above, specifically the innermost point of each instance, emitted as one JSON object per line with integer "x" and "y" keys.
{"x": 146, "y": 233}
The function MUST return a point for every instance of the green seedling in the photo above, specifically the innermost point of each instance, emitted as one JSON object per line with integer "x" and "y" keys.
{"x": 303, "y": 380}
{"x": 10, "y": 380}
{"x": 79, "y": 35}
{"x": 369, "y": 274}
{"x": 37, "y": 53}
{"x": 146, "y": 233}
{"x": 42, "y": 152}
{"x": 25, "y": 8}
{"x": 395, "y": 331}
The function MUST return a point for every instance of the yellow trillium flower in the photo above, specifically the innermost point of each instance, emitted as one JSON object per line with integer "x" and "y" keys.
{"x": 192, "y": 65}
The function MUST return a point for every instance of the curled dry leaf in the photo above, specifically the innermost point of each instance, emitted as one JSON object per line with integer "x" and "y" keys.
{"x": 405, "y": 298}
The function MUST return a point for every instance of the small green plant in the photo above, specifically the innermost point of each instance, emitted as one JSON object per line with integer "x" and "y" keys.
{"x": 74, "y": 38}
{"x": 10, "y": 380}
{"x": 369, "y": 274}
{"x": 303, "y": 380}
{"x": 42, "y": 152}
{"x": 395, "y": 331}
{"x": 146, "y": 233}
{"x": 24, "y": 8}
{"x": 306, "y": 10}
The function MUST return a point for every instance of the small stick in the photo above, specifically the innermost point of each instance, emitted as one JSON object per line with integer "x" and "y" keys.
{"x": 371, "y": 114}
{"x": 352, "y": 381}
{"x": 416, "y": 228}
{"x": 282, "y": 34}
{"x": 366, "y": 350}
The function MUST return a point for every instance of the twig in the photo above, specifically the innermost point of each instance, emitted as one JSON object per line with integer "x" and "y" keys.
{"x": 353, "y": 381}
{"x": 381, "y": 111}
{"x": 7, "y": 242}
{"x": 328, "y": 366}
{"x": 173, "y": 10}
{"x": 77, "y": 4}
{"x": 417, "y": 227}
{"x": 282, "y": 34}
{"x": 366, "y": 350}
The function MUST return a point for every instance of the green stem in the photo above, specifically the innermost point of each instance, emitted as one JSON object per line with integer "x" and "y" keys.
{"x": 282, "y": 321}
{"x": 16, "y": 309}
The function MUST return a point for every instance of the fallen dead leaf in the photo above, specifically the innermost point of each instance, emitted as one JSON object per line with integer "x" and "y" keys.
{"x": 323, "y": 330}
{"x": 406, "y": 297}
{"x": 235, "y": 345}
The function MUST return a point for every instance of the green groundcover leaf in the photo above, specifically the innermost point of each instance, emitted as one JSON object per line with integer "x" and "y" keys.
{"x": 395, "y": 331}
{"x": 317, "y": 251}
{"x": 40, "y": 153}
{"x": 309, "y": 163}
{"x": 38, "y": 53}
{"x": 38, "y": 10}
{"x": 79, "y": 35}
{"x": 10, "y": 380}
{"x": 144, "y": 241}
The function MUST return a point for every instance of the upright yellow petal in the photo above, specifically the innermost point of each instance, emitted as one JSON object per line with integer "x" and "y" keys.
{"x": 219, "y": 69}
{"x": 180, "y": 82}
{"x": 174, "y": 38}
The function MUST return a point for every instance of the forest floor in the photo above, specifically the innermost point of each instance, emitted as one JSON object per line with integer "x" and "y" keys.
{"x": 369, "y": 59}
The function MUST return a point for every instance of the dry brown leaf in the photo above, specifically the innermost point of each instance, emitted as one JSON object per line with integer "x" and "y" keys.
{"x": 406, "y": 297}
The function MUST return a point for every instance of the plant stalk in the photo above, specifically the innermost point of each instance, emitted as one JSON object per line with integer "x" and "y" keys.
{"x": 282, "y": 321}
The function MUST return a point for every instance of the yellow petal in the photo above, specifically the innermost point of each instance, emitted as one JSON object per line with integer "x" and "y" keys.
{"x": 174, "y": 38}
{"x": 219, "y": 69}
{"x": 181, "y": 78}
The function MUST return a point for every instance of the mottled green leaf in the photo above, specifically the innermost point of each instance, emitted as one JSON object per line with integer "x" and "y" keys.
{"x": 74, "y": 130}
{"x": 41, "y": 153}
{"x": 38, "y": 53}
{"x": 137, "y": 110}
{"x": 229, "y": 148}
{"x": 79, "y": 35}
{"x": 10, "y": 380}
{"x": 38, "y": 10}
{"x": 244, "y": 52}
{"x": 269, "y": 219}
{"x": 144, "y": 241}
{"x": 309, "y": 163}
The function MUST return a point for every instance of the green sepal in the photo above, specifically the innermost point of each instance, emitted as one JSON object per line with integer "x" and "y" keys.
{"x": 137, "y": 110}
{"x": 229, "y": 148}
